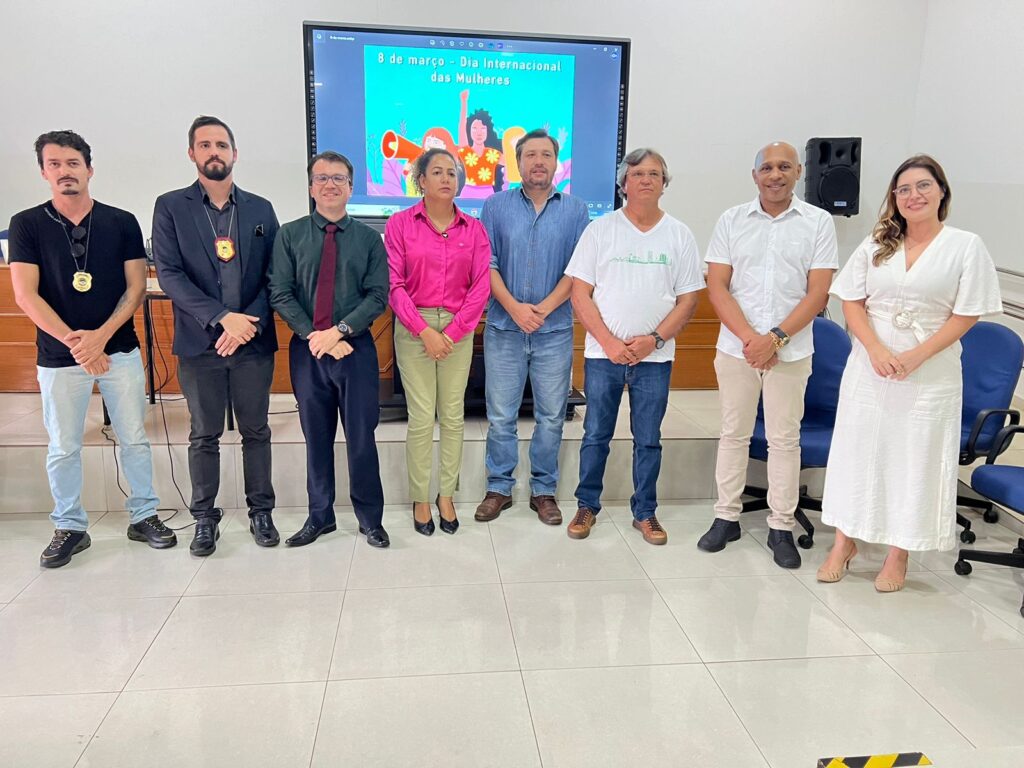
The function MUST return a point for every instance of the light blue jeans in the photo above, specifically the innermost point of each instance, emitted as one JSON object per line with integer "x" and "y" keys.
{"x": 509, "y": 357}
{"x": 66, "y": 393}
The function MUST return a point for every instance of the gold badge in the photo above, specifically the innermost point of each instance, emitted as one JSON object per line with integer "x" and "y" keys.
{"x": 225, "y": 248}
{"x": 82, "y": 281}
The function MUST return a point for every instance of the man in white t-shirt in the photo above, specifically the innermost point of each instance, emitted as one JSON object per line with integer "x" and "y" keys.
{"x": 636, "y": 273}
{"x": 770, "y": 265}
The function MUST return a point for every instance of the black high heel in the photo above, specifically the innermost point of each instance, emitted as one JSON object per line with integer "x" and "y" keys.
{"x": 448, "y": 526}
{"x": 427, "y": 528}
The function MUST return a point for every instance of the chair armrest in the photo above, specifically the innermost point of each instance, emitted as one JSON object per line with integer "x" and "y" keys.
{"x": 1002, "y": 441}
{"x": 970, "y": 452}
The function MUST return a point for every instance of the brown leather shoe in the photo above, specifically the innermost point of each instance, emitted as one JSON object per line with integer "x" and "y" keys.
{"x": 547, "y": 509}
{"x": 491, "y": 506}
{"x": 580, "y": 526}
{"x": 652, "y": 530}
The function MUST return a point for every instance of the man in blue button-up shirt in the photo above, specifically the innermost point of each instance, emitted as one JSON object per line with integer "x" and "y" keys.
{"x": 533, "y": 231}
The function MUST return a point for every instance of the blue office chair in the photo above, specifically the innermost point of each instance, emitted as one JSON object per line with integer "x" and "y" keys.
{"x": 992, "y": 357}
{"x": 831, "y": 350}
{"x": 1004, "y": 485}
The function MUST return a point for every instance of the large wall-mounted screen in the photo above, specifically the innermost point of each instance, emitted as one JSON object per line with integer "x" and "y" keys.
{"x": 382, "y": 95}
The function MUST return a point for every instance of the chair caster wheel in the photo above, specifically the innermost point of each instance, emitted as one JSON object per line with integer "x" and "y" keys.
{"x": 962, "y": 568}
{"x": 968, "y": 537}
{"x": 805, "y": 541}
{"x": 991, "y": 516}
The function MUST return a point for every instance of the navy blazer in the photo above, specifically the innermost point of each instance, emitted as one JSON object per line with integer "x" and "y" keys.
{"x": 189, "y": 272}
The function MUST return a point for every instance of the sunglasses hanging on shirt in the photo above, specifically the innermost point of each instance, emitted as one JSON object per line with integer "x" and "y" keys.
{"x": 81, "y": 281}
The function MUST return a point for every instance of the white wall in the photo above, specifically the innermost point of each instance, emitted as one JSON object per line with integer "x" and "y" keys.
{"x": 711, "y": 82}
{"x": 970, "y": 115}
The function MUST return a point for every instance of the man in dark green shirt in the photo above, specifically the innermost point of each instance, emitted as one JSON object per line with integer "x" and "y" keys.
{"x": 329, "y": 282}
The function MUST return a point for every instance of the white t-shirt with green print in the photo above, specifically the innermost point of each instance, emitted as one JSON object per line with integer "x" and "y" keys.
{"x": 636, "y": 275}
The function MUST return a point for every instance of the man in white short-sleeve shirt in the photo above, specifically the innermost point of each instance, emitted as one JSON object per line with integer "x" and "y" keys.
{"x": 636, "y": 273}
{"x": 770, "y": 264}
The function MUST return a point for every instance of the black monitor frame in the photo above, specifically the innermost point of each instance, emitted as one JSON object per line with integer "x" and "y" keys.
{"x": 310, "y": 91}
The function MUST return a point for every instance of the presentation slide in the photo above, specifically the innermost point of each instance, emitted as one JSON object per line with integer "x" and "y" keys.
{"x": 383, "y": 97}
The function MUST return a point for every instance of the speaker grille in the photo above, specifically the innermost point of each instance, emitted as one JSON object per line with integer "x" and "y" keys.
{"x": 839, "y": 189}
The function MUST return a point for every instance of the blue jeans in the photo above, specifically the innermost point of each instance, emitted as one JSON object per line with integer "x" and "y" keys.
{"x": 509, "y": 356}
{"x": 648, "y": 399}
{"x": 66, "y": 393}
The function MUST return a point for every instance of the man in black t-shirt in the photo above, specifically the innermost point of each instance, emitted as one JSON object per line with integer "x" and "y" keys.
{"x": 79, "y": 273}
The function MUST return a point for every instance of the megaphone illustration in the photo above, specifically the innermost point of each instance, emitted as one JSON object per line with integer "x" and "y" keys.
{"x": 393, "y": 147}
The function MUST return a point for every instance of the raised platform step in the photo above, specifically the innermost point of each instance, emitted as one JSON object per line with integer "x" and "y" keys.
{"x": 689, "y": 439}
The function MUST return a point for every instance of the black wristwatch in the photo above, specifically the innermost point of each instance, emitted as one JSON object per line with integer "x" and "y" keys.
{"x": 344, "y": 329}
{"x": 658, "y": 341}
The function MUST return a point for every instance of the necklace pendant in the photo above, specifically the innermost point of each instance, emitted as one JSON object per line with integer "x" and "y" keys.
{"x": 82, "y": 281}
{"x": 224, "y": 248}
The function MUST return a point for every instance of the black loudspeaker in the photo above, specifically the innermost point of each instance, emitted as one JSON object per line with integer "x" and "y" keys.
{"x": 832, "y": 175}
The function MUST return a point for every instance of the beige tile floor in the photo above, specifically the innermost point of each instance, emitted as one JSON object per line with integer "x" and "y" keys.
{"x": 505, "y": 645}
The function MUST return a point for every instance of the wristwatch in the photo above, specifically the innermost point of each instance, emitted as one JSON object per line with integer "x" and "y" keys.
{"x": 344, "y": 329}
{"x": 658, "y": 341}
{"x": 779, "y": 337}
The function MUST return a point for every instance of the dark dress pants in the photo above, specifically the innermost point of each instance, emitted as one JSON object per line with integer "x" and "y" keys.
{"x": 206, "y": 380}
{"x": 326, "y": 389}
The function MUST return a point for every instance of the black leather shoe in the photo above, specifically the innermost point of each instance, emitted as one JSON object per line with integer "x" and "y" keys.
{"x": 204, "y": 542}
{"x": 261, "y": 526}
{"x": 719, "y": 534}
{"x": 427, "y": 528}
{"x": 152, "y": 531}
{"x": 783, "y": 549}
{"x": 376, "y": 537}
{"x": 309, "y": 533}
{"x": 448, "y": 526}
{"x": 62, "y": 546}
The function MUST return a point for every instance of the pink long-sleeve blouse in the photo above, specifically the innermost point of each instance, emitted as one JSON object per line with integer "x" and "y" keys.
{"x": 433, "y": 270}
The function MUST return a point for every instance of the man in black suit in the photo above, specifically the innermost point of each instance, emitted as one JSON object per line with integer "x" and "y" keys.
{"x": 212, "y": 244}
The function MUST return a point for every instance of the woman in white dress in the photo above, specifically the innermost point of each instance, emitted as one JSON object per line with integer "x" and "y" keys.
{"x": 909, "y": 292}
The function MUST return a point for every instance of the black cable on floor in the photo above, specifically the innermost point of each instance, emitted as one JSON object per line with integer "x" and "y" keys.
{"x": 159, "y": 395}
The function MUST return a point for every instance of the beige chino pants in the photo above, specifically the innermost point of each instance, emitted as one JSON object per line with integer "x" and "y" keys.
{"x": 739, "y": 388}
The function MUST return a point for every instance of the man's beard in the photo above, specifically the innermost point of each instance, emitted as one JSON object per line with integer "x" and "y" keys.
{"x": 529, "y": 183}
{"x": 216, "y": 173}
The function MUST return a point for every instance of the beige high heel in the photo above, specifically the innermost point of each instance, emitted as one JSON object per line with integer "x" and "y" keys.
{"x": 891, "y": 585}
{"x": 829, "y": 576}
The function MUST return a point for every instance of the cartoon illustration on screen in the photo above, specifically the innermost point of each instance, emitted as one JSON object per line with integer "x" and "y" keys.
{"x": 408, "y": 95}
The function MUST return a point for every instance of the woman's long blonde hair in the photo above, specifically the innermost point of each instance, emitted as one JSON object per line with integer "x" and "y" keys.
{"x": 891, "y": 226}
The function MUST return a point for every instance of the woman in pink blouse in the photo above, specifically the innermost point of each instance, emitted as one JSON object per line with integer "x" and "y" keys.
{"x": 439, "y": 260}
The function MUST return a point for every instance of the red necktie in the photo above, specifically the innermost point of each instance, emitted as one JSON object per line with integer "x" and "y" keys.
{"x": 323, "y": 309}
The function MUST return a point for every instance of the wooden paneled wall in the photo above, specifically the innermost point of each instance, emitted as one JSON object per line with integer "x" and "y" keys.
{"x": 693, "y": 368}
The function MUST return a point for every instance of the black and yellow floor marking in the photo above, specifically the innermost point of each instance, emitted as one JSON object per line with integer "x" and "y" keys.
{"x": 875, "y": 761}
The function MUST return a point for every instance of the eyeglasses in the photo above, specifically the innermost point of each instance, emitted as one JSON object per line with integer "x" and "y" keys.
{"x": 923, "y": 187}
{"x": 654, "y": 175}
{"x": 78, "y": 234}
{"x": 338, "y": 178}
